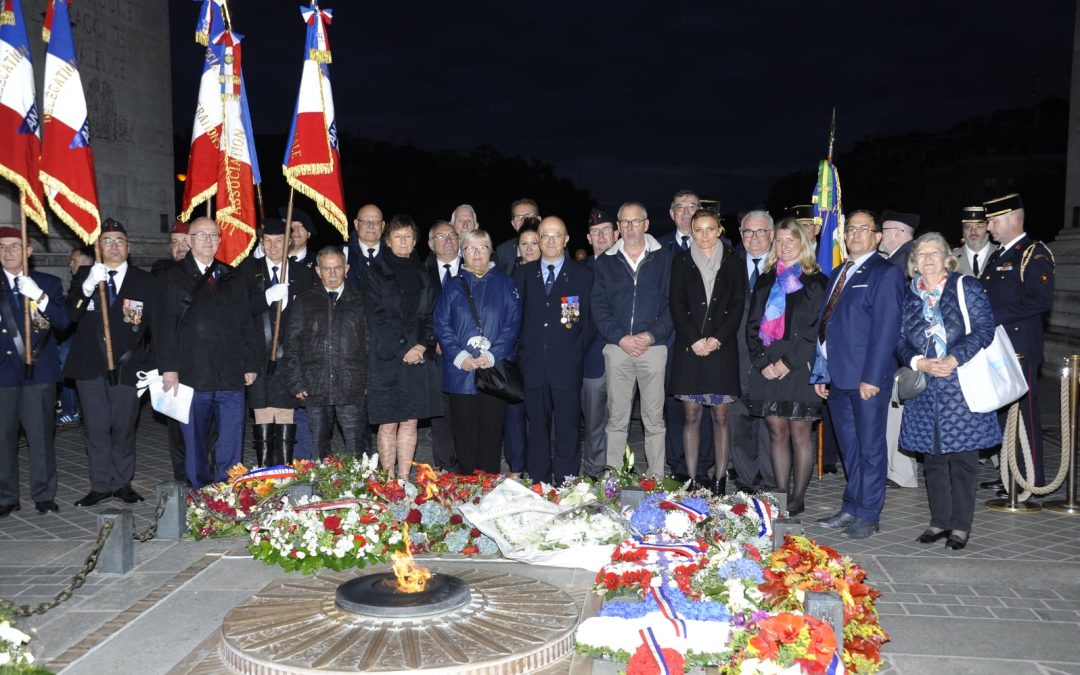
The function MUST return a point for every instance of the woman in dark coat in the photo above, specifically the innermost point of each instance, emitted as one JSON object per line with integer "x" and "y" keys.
{"x": 706, "y": 300}
{"x": 781, "y": 330}
{"x": 402, "y": 386}
{"x": 938, "y": 422}
{"x": 514, "y": 422}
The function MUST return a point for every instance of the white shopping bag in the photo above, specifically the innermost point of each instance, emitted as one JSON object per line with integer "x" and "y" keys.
{"x": 176, "y": 406}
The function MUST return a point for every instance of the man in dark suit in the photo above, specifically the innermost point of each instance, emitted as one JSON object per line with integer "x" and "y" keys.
{"x": 443, "y": 265}
{"x": 178, "y": 248}
{"x": 602, "y": 236}
{"x": 269, "y": 282}
{"x": 858, "y": 332}
{"x": 1019, "y": 280}
{"x": 749, "y": 434}
{"x": 522, "y": 210}
{"x": 110, "y": 404}
{"x": 364, "y": 247}
{"x": 555, "y": 330}
{"x": 28, "y": 401}
{"x": 300, "y": 232}
{"x": 205, "y": 338}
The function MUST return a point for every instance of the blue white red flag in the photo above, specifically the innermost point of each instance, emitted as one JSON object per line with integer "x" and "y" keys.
{"x": 20, "y": 126}
{"x": 209, "y": 21}
{"x": 237, "y": 212}
{"x": 312, "y": 164}
{"x": 67, "y": 159}
{"x": 829, "y": 215}
{"x": 204, "y": 155}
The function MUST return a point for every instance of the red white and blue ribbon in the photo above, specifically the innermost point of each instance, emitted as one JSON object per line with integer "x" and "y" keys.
{"x": 695, "y": 515}
{"x": 836, "y": 666}
{"x": 688, "y": 550}
{"x": 204, "y": 153}
{"x": 668, "y": 610}
{"x": 649, "y": 638}
{"x": 279, "y": 472}
{"x": 764, "y": 511}
{"x": 340, "y": 504}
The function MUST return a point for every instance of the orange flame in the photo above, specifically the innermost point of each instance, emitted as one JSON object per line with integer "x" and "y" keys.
{"x": 410, "y": 578}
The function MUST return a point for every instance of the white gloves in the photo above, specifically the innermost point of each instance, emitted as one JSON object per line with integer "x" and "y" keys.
{"x": 29, "y": 287}
{"x": 98, "y": 274}
{"x": 278, "y": 292}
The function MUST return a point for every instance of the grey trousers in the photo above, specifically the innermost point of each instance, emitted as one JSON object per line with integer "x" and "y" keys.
{"x": 33, "y": 407}
{"x": 594, "y": 412}
{"x": 624, "y": 374}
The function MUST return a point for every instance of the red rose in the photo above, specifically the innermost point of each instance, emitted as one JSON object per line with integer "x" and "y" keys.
{"x": 474, "y": 533}
{"x": 739, "y": 509}
{"x": 414, "y": 517}
{"x": 648, "y": 483}
{"x": 332, "y": 523}
{"x": 419, "y": 500}
{"x": 359, "y": 539}
{"x": 456, "y": 519}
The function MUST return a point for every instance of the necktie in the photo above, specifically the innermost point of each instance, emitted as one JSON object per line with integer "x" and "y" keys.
{"x": 446, "y": 273}
{"x": 370, "y": 256}
{"x": 111, "y": 287}
{"x": 16, "y": 297}
{"x": 273, "y": 276}
{"x": 833, "y": 297}
{"x": 211, "y": 281}
{"x": 754, "y": 274}
{"x": 975, "y": 264}
{"x": 685, "y": 242}
{"x": 550, "y": 281}
{"x": 334, "y": 297}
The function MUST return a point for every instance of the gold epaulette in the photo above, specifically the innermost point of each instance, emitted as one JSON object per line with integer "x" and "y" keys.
{"x": 1030, "y": 251}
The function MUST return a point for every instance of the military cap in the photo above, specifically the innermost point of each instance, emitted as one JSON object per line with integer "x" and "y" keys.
{"x": 179, "y": 227}
{"x": 111, "y": 225}
{"x": 909, "y": 219}
{"x": 973, "y": 214}
{"x": 801, "y": 211}
{"x": 596, "y": 217}
{"x": 1002, "y": 205}
{"x": 301, "y": 217}
{"x": 273, "y": 226}
{"x": 6, "y": 232}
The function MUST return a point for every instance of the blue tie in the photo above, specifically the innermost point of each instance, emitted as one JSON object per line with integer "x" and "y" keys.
{"x": 754, "y": 274}
{"x": 111, "y": 287}
{"x": 273, "y": 276}
{"x": 334, "y": 297}
{"x": 446, "y": 274}
{"x": 685, "y": 242}
{"x": 550, "y": 281}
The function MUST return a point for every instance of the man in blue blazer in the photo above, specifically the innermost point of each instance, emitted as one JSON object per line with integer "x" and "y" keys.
{"x": 556, "y": 329}
{"x": 858, "y": 332}
{"x": 28, "y": 401}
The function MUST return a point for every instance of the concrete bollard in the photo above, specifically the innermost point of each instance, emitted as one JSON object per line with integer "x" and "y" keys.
{"x": 781, "y": 500}
{"x": 783, "y": 527}
{"x": 298, "y": 490}
{"x": 118, "y": 553}
{"x": 173, "y": 522}
{"x": 829, "y": 608}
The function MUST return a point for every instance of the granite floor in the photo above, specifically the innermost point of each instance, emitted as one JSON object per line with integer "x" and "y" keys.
{"x": 1008, "y": 603}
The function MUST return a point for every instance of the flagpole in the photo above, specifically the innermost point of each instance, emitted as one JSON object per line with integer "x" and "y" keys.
{"x": 285, "y": 280}
{"x": 103, "y": 305}
{"x": 28, "y": 356}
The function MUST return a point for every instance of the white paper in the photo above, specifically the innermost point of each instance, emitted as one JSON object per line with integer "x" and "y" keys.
{"x": 176, "y": 406}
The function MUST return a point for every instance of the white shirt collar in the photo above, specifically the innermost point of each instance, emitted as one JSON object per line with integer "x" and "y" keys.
{"x": 1012, "y": 243}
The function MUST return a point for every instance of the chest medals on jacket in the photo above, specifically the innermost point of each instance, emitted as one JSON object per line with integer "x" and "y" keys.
{"x": 571, "y": 311}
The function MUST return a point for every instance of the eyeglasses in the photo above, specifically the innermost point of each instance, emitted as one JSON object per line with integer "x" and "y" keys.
{"x": 862, "y": 229}
{"x": 336, "y": 269}
{"x": 689, "y": 208}
{"x": 552, "y": 236}
{"x": 594, "y": 231}
{"x": 205, "y": 236}
{"x": 113, "y": 242}
{"x": 11, "y": 247}
{"x": 636, "y": 222}
{"x": 444, "y": 236}
{"x": 476, "y": 249}
{"x": 522, "y": 216}
{"x": 886, "y": 229}
{"x": 755, "y": 233}
{"x": 974, "y": 226}
{"x": 369, "y": 223}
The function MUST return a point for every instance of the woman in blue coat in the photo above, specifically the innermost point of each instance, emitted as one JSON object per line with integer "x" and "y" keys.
{"x": 476, "y": 418}
{"x": 938, "y": 422}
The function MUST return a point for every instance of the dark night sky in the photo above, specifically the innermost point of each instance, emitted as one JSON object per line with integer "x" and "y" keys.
{"x": 635, "y": 99}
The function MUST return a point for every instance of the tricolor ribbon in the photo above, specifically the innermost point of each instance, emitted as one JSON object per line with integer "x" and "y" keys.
{"x": 341, "y": 504}
{"x": 279, "y": 472}
{"x": 649, "y": 638}
{"x": 836, "y": 666}
{"x": 668, "y": 610}
{"x": 695, "y": 515}
{"x": 688, "y": 550}
{"x": 764, "y": 511}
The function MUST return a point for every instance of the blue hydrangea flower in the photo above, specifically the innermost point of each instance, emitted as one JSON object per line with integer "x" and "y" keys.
{"x": 433, "y": 513}
{"x": 741, "y": 568}
{"x": 456, "y": 540}
{"x": 400, "y": 510}
{"x": 486, "y": 545}
{"x": 648, "y": 517}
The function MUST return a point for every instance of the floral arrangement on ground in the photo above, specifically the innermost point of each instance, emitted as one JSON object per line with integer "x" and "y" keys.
{"x": 15, "y": 652}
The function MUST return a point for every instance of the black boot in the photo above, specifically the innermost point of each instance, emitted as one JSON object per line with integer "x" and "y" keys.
{"x": 263, "y": 440}
{"x": 286, "y": 441}
{"x": 719, "y": 486}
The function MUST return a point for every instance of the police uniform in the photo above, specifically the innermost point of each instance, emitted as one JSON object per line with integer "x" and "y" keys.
{"x": 1019, "y": 280}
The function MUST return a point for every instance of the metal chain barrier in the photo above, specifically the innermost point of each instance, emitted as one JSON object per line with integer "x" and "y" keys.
{"x": 1014, "y": 422}
{"x": 151, "y": 531}
{"x": 76, "y": 581}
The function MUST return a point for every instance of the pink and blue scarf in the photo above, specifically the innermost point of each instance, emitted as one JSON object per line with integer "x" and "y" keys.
{"x": 772, "y": 322}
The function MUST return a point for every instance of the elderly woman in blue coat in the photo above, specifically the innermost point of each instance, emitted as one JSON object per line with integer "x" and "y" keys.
{"x": 938, "y": 422}
{"x": 476, "y": 418}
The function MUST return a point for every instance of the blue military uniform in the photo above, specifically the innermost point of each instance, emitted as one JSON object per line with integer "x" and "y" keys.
{"x": 1019, "y": 281}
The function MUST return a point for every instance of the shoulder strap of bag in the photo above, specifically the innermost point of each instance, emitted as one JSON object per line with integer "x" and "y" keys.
{"x": 472, "y": 304}
{"x": 963, "y": 304}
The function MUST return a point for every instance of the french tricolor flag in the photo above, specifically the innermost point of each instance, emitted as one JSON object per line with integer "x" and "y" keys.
{"x": 205, "y": 153}
{"x": 67, "y": 159}
{"x": 312, "y": 165}
{"x": 20, "y": 126}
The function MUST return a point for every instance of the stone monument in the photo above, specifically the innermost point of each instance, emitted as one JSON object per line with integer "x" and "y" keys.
{"x": 123, "y": 52}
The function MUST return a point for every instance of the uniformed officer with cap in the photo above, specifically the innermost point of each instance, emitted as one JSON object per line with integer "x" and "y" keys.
{"x": 971, "y": 258}
{"x": 804, "y": 215}
{"x": 1019, "y": 280}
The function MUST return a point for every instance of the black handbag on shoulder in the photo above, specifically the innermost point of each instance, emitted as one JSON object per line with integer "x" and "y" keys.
{"x": 504, "y": 379}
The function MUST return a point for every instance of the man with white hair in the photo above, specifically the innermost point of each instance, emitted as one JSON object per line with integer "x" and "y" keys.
{"x": 464, "y": 220}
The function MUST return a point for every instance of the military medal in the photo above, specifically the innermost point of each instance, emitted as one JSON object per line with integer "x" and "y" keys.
{"x": 571, "y": 310}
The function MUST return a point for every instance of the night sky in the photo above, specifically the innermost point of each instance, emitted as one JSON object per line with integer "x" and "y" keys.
{"x": 634, "y": 100}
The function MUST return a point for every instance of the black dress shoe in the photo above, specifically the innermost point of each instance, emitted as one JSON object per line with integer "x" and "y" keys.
{"x": 92, "y": 498}
{"x": 929, "y": 536}
{"x": 956, "y": 543}
{"x": 1002, "y": 492}
{"x": 992, "y": 484}
{"x": 46, "y": 506}
{"x": 128, "y": 495}
{"x": 6, "y": 509}
{"x": 828, "y": 468}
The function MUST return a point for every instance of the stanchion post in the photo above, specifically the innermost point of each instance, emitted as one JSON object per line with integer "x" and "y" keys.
{"x": 783, "y": 527}
{"x": 1070, "y": 505}
{"x": 298, "y": 490}
{"x": 829, "y": 608}
{"x": 1012, "y": 503}
{"x": 173, "y": 521}
{"x": 118, "y": 553}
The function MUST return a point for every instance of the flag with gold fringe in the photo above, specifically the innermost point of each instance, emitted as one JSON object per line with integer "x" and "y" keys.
{"x": 67, "y": 158}
{"x": 204, "y": 154}
{"x": 829, "y": 213}
{"x": 312, "y": 163}
{"x": 20, "y": 125}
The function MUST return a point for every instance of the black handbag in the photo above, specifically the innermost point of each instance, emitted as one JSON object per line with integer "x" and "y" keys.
{"x": 503, "y": 380}
{"x": 908, "y": 383}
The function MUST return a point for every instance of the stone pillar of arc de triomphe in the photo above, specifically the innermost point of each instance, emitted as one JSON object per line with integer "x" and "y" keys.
{"x": 123, "y": 52}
